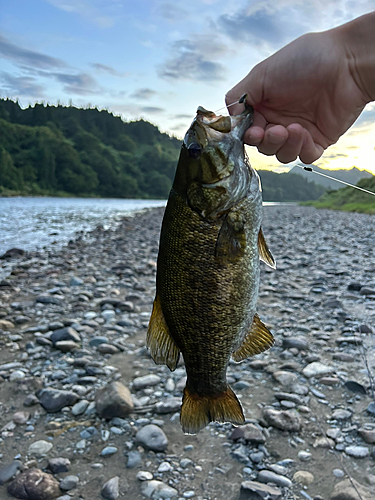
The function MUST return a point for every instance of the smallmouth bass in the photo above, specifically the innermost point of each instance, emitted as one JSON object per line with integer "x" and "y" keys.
{"x": 208, "y": 268}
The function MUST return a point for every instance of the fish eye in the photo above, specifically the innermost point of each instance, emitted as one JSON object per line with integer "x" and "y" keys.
{"x": 194, "y": 150}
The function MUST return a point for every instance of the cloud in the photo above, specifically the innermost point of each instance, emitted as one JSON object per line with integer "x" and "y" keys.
{"x": 21, "y": 85}
{"x": 193, "y": 60}
{"x": 81, "y": 84}
{"x": 266, "y": 24}
{"x": 172, "y": 12}
{"x": 143, "y": 94}
{"x": 103, "y": 68}
{"x": 26, "y": 57}
{"x": 85, "y": 9}
{"x": 182, "y": 117}
{"x": 152, "y": 109}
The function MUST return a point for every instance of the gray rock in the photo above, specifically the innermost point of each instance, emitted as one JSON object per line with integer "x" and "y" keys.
{"x": 67, "y": 333}
{"x": 40, "y": 448}
{"x": 250, "y": 433}
{"x": 134, "y": 459}
{"x": 47, "y": 299}
{"x": 108, "y": 450}
{"x": 69, "y": 482}
{"x": 267, "y": 476}
{"x": 295, "y": 343}
{"x": 341, "y": 414}
{"x": 107, "y": 349}
{"x": 34, "y": 484}
{"x": 110, "y": 490}
{"x": 114, "y": 400}
{"x": 58, "y": 465}
{"x": 143, "y": 475}
{"x": 66, "y": 345}
{"x": 8, "y": 471}
{"x": 303, "y": 477}
{"x": 345, "y": 491}
{"x": 157, "y": 490}
{"x": 152, "y": 438}
{"x": 170, "y": 405}
{"x": 146, "y": 381}
{"x": 253, "y": 490}
{"x": 53, "y": 400}
{"x": 357, "y": 451}
{"x": 285, "y": 378}
{"x": 21, "y": 417}
{"x": 285, "y": 420}
{"x": 367, "y": 435}
{"x": 317, "y": 369}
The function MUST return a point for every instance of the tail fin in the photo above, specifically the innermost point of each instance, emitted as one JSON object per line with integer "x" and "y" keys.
{"x": 198, "y": 411}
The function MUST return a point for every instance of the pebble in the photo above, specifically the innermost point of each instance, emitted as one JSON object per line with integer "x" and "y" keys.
{"x": 110, "y": 489}
{"x": 21, "y": 417}
{"x": 58, "y": 465}
{"x": 344, "y": 490}
{"x": 69, "y": 483}
{"x": 157, "y": 490}
{"x": 285, "y": 420}
{"x": 34, "y": 484}
{"x": 146, "y": 381}
{"x": 53, "y": 400}
{"x": 254, "y": 489}
{"x": 304, "y": 456}
{"x": 134, "y": 459}
{"x": 114, "y": 400}
{"x": 80, "y": 407}
{"x": 267, "y": 476}
{"x": 317, "y": 369}
{"x": 40, "y": 448}
{"x": 357, "y": 451}
{"x": 303, "y": 477}
{"x": 144, "y": 475}
{"x": 152, "y": 437}
{"x": 8, "y": 471}
{"x": 108, "y": 450}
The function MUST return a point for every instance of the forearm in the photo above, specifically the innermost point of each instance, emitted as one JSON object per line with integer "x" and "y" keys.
{"x": 358, "y": 39}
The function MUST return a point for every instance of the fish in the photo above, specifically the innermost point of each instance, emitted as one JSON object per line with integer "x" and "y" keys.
{"x": 207, "y": 278}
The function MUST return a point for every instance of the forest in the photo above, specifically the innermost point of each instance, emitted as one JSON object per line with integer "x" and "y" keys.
{"x": 70, "y": 151}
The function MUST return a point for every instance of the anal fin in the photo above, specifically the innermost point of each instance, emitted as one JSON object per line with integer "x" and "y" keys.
{"x": 264, "y": 252}
{"x": 258, "y": 339}
{"x": 163, "y": 348}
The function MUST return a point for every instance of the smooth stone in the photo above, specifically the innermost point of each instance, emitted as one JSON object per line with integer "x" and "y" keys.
{"x": 146, "y": 381}
{"x": 344, "y": 357}
{"x": 250, "y": 433}
{"x": 66, "y": 345}
{"x": 34, "y": 484}
{"x": 69, "y": 483}
{"x": 165, "y": 467}
{"x": 58, "y": 465}
{"x": 285, "y": 378}
{"x": 365, "y": 329}
{"x": 96, "y": 341}
{"x": 303, "y": 477}
{"x": 134, "y": 459}
{"x": 367, "y": 435}
{"x": 113, "y": 400}
{"x": 285, "y": 420}
{"x": 354, "y": 386}
{"x": 170, "y": 405}
{"x": 80, "y": 407}
{"x": 17, "y": 375}
{"x": 267, "y": 476}
{"x": 256, "y": 490}
{"x": 54, "y": 400}
{"x": 144, "y": 475}
{"x": 107, "y": 349}
{"x": 152, "y": 437}
{"x": 338, "y": 473}
{"x": 341, "y": 414}
{"x": 357, "y": 451}
{"x": 371, "y": 409}
{"x": 304, "y": 456}
{"x": 40, "y": 448}
{"x": 108, "y": 450}
{"x": 67, "y": 333}
{"x": 6, "y": 325}
{"x": 317, "y": 369}
{"x": 110, "y": 489}
{"x": 21, "y": 417}
{"x": 75, "y": 281}
{"x": 345, "y": 491}
{"x": 157, "y": 490}
{"x": 295, "y": 343}
{"x": 8, "y": 471}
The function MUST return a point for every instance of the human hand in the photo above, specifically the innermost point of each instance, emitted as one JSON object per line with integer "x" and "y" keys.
{"x": 305, "y": 97}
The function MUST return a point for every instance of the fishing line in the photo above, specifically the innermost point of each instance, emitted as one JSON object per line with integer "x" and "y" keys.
{"x": 310, "y": 169}
{"x": 241, "y": 100}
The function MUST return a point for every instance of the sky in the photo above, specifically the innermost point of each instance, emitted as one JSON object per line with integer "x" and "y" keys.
{"x": 160, "y": 60}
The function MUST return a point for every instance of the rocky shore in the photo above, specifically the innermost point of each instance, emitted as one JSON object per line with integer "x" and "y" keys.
{"x": 86, "y": 414}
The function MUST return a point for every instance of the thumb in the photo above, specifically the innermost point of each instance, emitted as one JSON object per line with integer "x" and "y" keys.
{"x": 251, "y": 85}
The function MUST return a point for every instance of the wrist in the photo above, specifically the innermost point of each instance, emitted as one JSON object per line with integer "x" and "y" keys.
{"x": 358, "y": 40}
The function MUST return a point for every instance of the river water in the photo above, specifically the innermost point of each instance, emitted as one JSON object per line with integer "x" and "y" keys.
{"x": 36, "y": 223}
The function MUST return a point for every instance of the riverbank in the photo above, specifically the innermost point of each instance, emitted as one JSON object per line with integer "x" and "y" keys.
{"x": 74, "y": 321}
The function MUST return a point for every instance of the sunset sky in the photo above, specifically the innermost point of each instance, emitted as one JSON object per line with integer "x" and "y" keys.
{"x": 160, "y": 60}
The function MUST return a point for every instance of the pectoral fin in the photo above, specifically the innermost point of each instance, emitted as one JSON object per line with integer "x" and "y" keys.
{"x": 264, "y": 252}
{"x": 163, "y": 348}
{"x": 231, "y": 241}
{"x": 258, "y": 339}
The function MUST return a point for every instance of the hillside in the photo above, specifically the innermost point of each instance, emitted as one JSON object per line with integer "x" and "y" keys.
{"x": 288, "y": 187}
{"x": 350, "y": 199}
{"x": 352, "y": 176}
{"x": 71, "y": 151}
{"x": 67, "y": 151}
